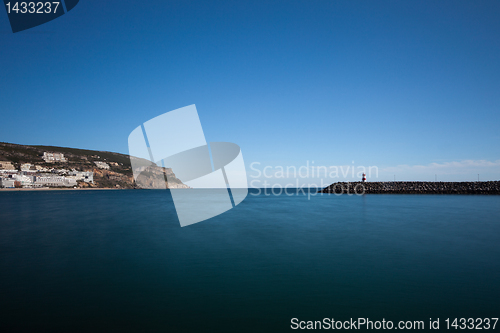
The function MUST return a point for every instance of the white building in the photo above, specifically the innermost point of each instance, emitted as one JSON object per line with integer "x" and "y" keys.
{"x": 102, "y": 165}
{"x": 55, "y": 181}
{"x": 7, "y": 182}
{"x": 28, "y": 167}
{"x": 54, "y": 157}
{"x": 40, "y": 168}
{"x": 86, "y": 176}
{"x": 25, "y": 180}
{"x": 62, "y": 172}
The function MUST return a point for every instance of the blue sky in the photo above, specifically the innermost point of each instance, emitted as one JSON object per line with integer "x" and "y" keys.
{"x": 410, "y": 87}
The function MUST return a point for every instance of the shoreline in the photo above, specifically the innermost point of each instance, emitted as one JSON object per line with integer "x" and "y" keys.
{"x": 78, "y": 189}
{"x": 57, "y": 189}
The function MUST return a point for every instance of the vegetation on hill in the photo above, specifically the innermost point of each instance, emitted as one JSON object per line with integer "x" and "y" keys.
{"x": 119, "y": 174}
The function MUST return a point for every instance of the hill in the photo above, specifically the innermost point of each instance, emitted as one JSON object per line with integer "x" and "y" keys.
{"x": 119, "y": 173}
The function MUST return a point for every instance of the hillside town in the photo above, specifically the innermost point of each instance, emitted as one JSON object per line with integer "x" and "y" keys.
{"x": 35, "y": 167}
{"x": 30, "y": 175}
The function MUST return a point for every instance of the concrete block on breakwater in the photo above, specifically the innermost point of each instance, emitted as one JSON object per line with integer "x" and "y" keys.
{"x": 489, "y": 187}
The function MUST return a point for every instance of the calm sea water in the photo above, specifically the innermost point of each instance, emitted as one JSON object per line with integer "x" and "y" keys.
{"x": 103, "y": 261}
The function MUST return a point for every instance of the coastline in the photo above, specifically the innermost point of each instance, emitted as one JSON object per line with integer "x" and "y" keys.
{"x": 56, "y": 189}
{"x": 80, "y": 189}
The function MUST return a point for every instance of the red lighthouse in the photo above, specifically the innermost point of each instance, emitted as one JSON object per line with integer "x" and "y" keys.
{"x": 364, "y": 178}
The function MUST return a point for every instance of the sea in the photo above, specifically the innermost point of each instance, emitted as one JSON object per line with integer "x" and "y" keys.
{"x": 119, "y": 261}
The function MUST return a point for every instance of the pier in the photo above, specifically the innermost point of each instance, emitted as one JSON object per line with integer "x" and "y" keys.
{"x": 414, "y": 187}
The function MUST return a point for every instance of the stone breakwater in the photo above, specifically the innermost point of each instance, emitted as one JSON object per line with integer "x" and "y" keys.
{"x": 490, "y": 187}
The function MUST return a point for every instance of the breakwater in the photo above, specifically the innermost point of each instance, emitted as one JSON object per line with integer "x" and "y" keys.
{"x": 489, "y": 187}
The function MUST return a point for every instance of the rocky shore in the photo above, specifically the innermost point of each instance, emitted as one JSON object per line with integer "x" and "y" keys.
{"x": 489, "y": 187}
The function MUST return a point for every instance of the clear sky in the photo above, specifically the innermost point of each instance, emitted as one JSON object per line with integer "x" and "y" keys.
{"x": 412, "y": 87}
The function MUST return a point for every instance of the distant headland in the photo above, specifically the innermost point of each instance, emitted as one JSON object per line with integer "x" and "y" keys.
{"x": 413, "y": 187}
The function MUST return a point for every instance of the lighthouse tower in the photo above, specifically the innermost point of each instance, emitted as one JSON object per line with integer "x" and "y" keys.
{"x": 364, "y": 178}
